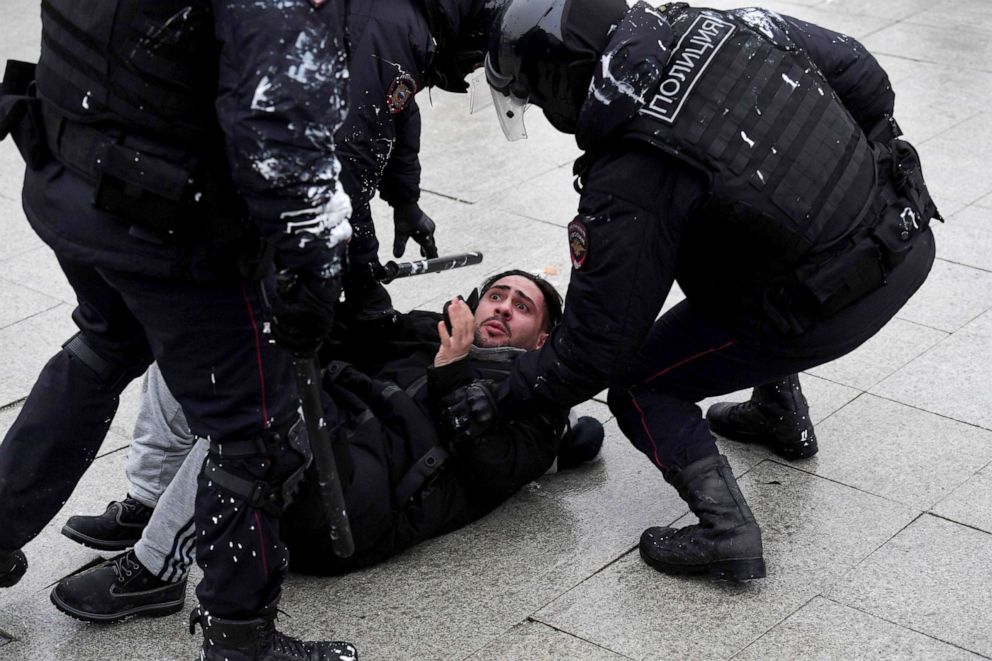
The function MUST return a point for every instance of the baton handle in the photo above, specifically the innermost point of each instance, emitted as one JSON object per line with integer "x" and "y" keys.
{"x": 392, "y": 270}
{"x": 328, "y": 480}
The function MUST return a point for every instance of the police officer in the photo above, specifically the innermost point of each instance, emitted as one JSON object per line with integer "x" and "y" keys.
{"x": 400, "y": 47}
{"x": 752, "y": 158}
{"x": 167, "y": 126}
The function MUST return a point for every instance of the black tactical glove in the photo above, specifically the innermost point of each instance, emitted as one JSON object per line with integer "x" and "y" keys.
{"x": 413, "y": 223}
{"x": 303, "y": 310}
{"x": 470, "y": 411}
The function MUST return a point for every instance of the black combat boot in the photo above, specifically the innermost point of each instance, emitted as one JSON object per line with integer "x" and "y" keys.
{"x": 13, "y": 564}
{"x": 257, "y": 640}
{"x": 118, "y": 528}
{"x": 777, "y": 416}
{"x": 581, "y": 443}
{"x": 117, "y": 589}
{"x": 726, "y": 543}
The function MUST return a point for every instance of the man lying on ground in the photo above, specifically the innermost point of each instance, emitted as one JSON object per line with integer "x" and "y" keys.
{"x": 419, "y": 449}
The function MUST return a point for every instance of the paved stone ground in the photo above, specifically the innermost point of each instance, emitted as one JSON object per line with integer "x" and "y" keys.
{"x": 880, "y": 547}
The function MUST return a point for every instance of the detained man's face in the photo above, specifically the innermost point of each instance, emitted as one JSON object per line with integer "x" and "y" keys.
{"x": 511, "y": 314}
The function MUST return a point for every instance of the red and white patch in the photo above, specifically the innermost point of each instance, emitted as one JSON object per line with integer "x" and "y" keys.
{"x": 401, "y": 93}
{"x": 578, "y": 242}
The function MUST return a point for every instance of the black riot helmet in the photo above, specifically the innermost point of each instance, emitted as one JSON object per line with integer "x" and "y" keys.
{"x": 461, "y": 31}
{"x": 544, "y": 52}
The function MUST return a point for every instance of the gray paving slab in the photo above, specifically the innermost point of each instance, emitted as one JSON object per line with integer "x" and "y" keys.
{"x": 550, "y": 197}
{"x": 970, "y": 503}
{"x": 38, "y": 269}
{"x": 952, "y": 295}
{"x": 963, "y": 16}
{"x": 16, "y": 235}
{"x": 955, "y": 162}
{"x": 532, "y": 640}
{"x": 466, "y": 156}
{"x": 933, "y": 578}
{"x": 27, "y": 346}
{"x": 825, "y": 630}
{"x": 899, "y": 452}
{"x": 898, "y": 343}
{"x": 951, "y": 379}
{"x": 933, "y": 98}
{"x": 850, "y": 21}
{"x": 966, "y": 237}
{"x": 930, "y": 43}
{"x": 813, "y": 531}
{"x": 20, "y": 302}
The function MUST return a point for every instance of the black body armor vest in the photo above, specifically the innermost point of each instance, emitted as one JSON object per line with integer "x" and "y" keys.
{"x": 147, "y": 67}
{"x": 790, "y": 170}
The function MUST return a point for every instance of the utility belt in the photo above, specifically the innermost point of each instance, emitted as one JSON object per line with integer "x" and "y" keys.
{"x": 859, "y": 264}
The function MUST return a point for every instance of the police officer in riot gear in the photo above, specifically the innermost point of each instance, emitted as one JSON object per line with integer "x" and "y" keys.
{"x": 399, "y": 48}
{"x": 177, "y": 136}
{"x": 753, "y": 159}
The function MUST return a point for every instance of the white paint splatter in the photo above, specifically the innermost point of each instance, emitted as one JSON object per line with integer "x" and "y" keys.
{"x": 749, "y": 141}
{"x": 790, "y": 81}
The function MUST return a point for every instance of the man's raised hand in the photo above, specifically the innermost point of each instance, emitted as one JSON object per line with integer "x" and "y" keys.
{"x": 455, "y": 345}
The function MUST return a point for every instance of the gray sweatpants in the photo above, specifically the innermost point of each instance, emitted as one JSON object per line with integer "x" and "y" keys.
{"x": 162, "y": 466}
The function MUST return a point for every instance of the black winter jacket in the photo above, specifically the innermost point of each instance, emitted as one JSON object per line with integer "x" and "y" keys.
{"x": 386, "y": 397}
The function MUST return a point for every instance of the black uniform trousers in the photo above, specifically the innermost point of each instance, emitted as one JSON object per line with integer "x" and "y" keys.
{"x": 211, "y": 342}
{"x": 688, "y": 356}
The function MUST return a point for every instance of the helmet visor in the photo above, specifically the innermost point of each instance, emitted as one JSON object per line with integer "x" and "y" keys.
{"x": 509, "y": 107}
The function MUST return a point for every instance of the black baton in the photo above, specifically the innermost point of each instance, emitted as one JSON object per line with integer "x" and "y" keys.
{"x": 392, "y": 270}
{"x": 328, "y": 481}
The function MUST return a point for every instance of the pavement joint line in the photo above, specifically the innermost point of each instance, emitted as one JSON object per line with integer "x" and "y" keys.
{"x": 951, "y": 128}
{"x": 769, "y": 629}
{"x": 903, "y": 626}
{"x": 534, "y": 620}
{"x": 936, "y": 413}
{"x": 890, "y": 499}
{"x": 453, "y": 198}
{"x": 970, "y": 266}
{"x": 956, "y": 522}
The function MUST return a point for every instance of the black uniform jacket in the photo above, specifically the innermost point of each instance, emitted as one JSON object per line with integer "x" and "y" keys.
{"x": 642, "y": 200}
{"x": 279, "y": 93}
{"x": 379, "y": 142}
{"x": 386, "y": 397}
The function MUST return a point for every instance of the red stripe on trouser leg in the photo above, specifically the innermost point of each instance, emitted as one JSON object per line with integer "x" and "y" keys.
{"x": 258, "y": 355}
{"x": 688, "y": 360}
{"x": 647, "y": 432}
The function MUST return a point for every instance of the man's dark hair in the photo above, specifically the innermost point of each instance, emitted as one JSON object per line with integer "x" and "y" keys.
{"x": 552, "y": 299}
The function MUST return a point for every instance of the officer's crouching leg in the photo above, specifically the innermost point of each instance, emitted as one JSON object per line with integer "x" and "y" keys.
{"x": 56, "y": 436}
{"x": 726, "y": 543}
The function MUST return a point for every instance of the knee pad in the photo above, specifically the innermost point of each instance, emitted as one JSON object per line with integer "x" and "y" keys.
{"x": 288, "y": 451}
{"x": 110, "y": 373}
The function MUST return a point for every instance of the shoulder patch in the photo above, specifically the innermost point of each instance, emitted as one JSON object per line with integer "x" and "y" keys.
{"x": 578, "y": 242}
{"x": 401, "y": 93}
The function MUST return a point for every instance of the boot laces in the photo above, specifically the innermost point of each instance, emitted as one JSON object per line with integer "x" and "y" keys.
{"x": 125, "y": 566}
{"x": 284, "y": 644}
